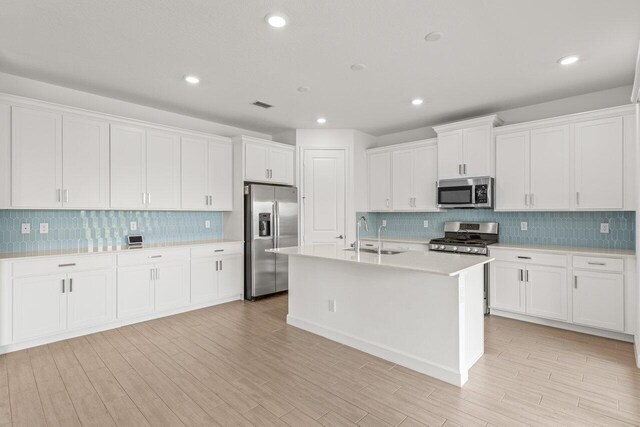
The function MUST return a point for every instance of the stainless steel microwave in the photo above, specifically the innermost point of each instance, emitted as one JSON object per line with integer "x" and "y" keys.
{"x": 466, "y": 193}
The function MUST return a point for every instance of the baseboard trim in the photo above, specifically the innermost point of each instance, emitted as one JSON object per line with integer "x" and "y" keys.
{"x": 118, "y": 323}
{"x": 562, "y": 325}
{"x": 423, "y": 366}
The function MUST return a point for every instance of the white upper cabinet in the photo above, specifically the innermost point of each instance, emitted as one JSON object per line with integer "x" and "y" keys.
{"x": 207, "y": 179}
{"x": 465, "y": 148}
{"x": 163, "y": 170}
{"x": 128, "y": 167}
{"x": 36, "y": 158}
{"x": 414, "y": 175}
{"x": 379, "y": 173}
{"x": 532, "y": 170}
{"x": 598, "y": 162}
{"x": 267, "y": 161}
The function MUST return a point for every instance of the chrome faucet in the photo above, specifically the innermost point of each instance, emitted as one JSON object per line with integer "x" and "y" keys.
{"x": 356, "y": 244}
{"x": 382, "y": 227}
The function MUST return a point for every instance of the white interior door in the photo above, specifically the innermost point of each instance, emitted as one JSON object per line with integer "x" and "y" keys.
{"x": 195, "y": 153}
{"x": 128, "y": 176}
{"x": 550, "y": 173}
{"x": 512, "y": 171}
{"x": 36, "y": 158}
{"x": 220, "y": 176}
{"x": 402, "y": 179}
{"x": 163, "y": 170}
{"x": 85, "y": 162}
{"x": 324, "y": 204}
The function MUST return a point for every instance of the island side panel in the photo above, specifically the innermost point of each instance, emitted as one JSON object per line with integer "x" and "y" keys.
{"x": 408, "y": 317}
{"x": 472, "y": 304}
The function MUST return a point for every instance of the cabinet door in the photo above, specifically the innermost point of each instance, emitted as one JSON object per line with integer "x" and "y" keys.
{"x": 256, "y": 162}
{"x": 220, "y": 176}
{"x": 204, "y": 280}
{"x": 281, "y": 165}
{"x": 547, "y": 292}
{"x": 39, "y": 307}
{"x": 36, "y": 158}
{"x": 380, "y": 181}
{"x": 135, "y": 291}
{"x": 477, "y": 151}
{"x": 128, "y": 183}
{"x": 425, "y": 175}
{"x": 91, "y": 299}
{"x": 402, "y": 179}
{"x": 450, "y": 155}
{"x": 598, "y": 300}
{"x": 163, "y": 170}
{"x": 85, "y": 162}
{"x": 507, "y": 288}
{"x": 195, "y": 152}
{"x": 599, "y": 164}
{"x": 171, "y": 285}
{"x": 550, "y": 172}
{"x": 512, "y": 171}
{"x": 230, "y": 279}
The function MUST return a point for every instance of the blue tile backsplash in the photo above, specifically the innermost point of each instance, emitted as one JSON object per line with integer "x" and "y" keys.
{"x": 87, "y": 229}
{"x": 544, "y": 228}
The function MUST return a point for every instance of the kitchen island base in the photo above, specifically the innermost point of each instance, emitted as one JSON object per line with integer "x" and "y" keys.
{"x": 431, "y": 323}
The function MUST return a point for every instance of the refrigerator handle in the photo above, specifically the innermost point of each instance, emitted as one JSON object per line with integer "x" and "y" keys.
{"x": 277, "y": 224}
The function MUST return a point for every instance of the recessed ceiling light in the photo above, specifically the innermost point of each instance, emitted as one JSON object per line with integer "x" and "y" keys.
{"x": 304, "y": 89}
{"x": 433, "y": 36}
{"x": 321, "y": 120}
{"x": 191, "y": 79}
{"x": 417, "y": 101}
{"x": 358, "y": 67}
{"x": 276, "y": 20}
{"x": 568, "y": 60}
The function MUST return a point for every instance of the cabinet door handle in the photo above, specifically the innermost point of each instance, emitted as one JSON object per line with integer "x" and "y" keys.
{"x": 70, "y": 285}
{"x": 63, "y": 286}
{"x": 71, "y": 264}
{"x": 524, "y": 257}
{"x": 151, "y": 274}
{"x": 597, "y": 263}
{"x": 219, "y": 250}
{"x": 387, "y": 202}
{"x": 526, "y": 199}
{"x": 155, "y": 256}
{"x": 216, "y": 265}
{"x": 220, "y": 265}
{"x": 66, "y": 196}
{"x": 149, "y": 197}
{"x": 577, "y": 198}
{"x": 157, "y": 274}
{"x": 210, "y": 200}
{"x": 575, "y": 282}
{"x": 144, "y": 198}
{"x": 531, "y": 199}
{"x": 526, "y": 275}
{"x": 459, "y": 169}
{"x": 464, "y": 168}
{"x": 266, "y": 173}
{"x": 520, "y": 271}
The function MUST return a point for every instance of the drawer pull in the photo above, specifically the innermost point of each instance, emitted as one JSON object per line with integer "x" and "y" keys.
{"x": 71, "y": 264}
{"x": 597, "y": 263}
{"x": 575, "y": 282}
{"x": 219, "y": 250}
{"x": 524, "y": 257}
{"x": 155, "y": 256}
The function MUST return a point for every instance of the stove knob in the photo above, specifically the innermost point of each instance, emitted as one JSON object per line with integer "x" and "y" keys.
{"x": 475, "y": 250}
{"x": 468, "y": 249}
{"x": 455, "y": 248}
{"x": 441, "y": 247}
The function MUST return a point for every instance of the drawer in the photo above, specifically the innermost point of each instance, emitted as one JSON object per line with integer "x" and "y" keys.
{"x": 530, "y": 257}
{"x": 150, "y": 256}
{"x": 63, "y": 265}
{"x": 598, "y": 263}
{"x": 217, "y": 250}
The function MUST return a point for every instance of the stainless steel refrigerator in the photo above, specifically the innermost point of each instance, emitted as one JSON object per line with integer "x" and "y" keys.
{"x": 271, "y": 221}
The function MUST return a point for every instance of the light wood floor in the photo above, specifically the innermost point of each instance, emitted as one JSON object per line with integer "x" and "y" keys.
{"x": 239, "y": 364}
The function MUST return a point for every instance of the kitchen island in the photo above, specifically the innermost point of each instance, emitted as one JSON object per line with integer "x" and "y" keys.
{"x": 421, "y": 310}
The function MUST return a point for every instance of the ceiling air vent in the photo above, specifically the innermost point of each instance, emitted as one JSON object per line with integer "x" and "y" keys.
{"x": 262, "y": 104}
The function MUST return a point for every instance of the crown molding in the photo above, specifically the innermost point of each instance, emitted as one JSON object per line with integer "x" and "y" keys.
{"x": 492, "y": 120}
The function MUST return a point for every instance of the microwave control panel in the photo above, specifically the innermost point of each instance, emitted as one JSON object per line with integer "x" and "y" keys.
{"x": 481, "y": 193}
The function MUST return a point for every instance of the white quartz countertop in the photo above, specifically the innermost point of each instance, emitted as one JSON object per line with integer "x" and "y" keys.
{"x": 565, "y": 249}
{"x": 441, "y": 263}
{"x": 110, "y": 249}
{"x": 419, "y": 240}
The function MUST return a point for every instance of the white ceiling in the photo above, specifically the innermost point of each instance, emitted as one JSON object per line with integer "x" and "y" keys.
{"x": 494, "y": 55}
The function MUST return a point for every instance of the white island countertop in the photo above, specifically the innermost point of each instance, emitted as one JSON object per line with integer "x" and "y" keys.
{"x": 441, "y": 263}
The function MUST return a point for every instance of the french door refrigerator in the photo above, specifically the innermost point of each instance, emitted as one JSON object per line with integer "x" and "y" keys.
{"x": 271, "y": 221}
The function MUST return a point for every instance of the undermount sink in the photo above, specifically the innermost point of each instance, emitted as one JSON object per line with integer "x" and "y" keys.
{"x": 375, "y": 251}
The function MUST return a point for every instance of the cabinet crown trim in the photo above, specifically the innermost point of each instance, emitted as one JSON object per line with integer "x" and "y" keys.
{"x": 254, "y": 140}
{"x": 492, "y": 120}
{"x": 405, "y": 145}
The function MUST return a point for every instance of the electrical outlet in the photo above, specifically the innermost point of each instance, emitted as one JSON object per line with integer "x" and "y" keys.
{"x": 384, "y": 222}
{"x": 25, "y": 228}
{"x": 604, "y": 227}
{"x": 425, "y": 224}
{"x": 44, "y": 228}
{"x": 207, "y": 224}
{"x": 332, "y": 306}
{"x": 133, "y": 226}
{"x": 524, "y": 226}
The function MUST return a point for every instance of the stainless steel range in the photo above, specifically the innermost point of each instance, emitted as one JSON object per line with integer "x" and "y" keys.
{"x": 466, "y": 237}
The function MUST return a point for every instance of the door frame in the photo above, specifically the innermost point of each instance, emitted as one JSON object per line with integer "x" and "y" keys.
{"x": 349, "y": 205}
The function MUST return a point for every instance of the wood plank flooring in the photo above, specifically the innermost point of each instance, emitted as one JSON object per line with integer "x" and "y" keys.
{"x": 240, "y": 364}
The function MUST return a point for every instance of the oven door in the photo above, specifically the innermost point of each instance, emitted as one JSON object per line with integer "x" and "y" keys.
{"x": 458, "y": 196}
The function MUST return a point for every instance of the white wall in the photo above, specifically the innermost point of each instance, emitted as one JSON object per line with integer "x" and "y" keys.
{"x": 575, "y": 104}
{"x": 74, "y": 98}
{"x": 286, "y": 137}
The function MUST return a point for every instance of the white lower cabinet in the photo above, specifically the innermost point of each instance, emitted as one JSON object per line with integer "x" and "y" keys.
{"x": 171, "y": 285}
{"x": 216, "y": 277}
{"x": 507, "y": 287}
{"x": 50, "y": 304}
{"x": 230, "y": 276}
{"x": 135, "y": 291}
{"x": 598, "y": 299}
{"x": 547, "y": 292}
